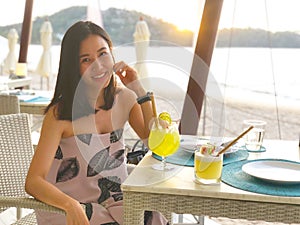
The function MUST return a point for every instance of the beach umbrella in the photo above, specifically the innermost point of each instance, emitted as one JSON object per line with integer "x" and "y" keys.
{"x": 141, "y": 40}
{"x": 10, "y": 61}
{"x": 44, "y": 68}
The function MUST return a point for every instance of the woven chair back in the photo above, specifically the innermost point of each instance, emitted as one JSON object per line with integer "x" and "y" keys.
{"x": 9, "y": 104}
{"x": 16, "y": 152}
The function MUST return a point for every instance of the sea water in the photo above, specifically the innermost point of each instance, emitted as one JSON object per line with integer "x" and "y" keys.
{"x": 238, "y": 72}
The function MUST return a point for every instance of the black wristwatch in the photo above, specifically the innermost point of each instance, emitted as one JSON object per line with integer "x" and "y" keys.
{"x": 144, "y": 98}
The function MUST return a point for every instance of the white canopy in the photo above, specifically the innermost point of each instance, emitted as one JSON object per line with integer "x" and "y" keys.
{"x": 141, "y": 39}
{"x": 44, "y": 66}
{"x": 10, "y": 61}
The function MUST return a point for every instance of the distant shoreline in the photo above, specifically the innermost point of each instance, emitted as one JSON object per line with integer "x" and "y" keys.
{"x": 233, "y": 89}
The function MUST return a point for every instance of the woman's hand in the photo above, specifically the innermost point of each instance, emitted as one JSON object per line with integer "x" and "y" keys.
{"x": 128, "y": 76}
{"x": 75, "y": 215}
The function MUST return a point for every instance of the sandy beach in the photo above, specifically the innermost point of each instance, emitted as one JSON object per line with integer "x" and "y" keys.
{"x": 289, "y": 119}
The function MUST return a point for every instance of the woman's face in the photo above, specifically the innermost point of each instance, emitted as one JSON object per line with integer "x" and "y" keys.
{"x": 96, "y": 61}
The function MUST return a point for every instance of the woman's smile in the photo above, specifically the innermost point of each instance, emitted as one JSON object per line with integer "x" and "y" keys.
{"x": 99, "y": 76}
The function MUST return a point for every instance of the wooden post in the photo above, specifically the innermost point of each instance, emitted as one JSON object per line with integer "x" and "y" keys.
{"x": 200, "y": 68}
{"x": 26, "y": 32}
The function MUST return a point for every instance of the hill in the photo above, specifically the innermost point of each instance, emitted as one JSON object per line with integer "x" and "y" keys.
{"x": 120, "y": 24}
{"x": 257, "y": 38}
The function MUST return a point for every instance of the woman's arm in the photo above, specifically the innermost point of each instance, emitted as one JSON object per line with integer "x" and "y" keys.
{"x": 140, "y": 118}
{"x": 36, "y": 183}
{"x": 140, "y": 115}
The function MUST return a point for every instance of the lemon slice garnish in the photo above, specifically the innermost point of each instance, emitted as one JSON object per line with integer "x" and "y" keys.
{"x": 166, "y": 117}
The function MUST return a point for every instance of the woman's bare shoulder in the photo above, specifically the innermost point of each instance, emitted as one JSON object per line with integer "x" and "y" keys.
{"x": 51, "y": 120}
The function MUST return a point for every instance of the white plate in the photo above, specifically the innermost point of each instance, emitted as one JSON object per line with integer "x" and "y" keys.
{"x": 232, "y": 149}
{"x": 274, "y": 170}
{"x": 189, "y": 142}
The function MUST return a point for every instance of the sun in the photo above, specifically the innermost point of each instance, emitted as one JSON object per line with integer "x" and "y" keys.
{"x": 185, "y": 26}
{"x": 184, "y": 18}
{"x": 183, "y": 14}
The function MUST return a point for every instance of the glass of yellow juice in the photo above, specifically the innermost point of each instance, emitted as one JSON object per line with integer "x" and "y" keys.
{"x": 207, "y": 168}
{"x": 164, "y": 141}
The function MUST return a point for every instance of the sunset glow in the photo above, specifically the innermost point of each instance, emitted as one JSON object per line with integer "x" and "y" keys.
{"x": 274, "y": 15}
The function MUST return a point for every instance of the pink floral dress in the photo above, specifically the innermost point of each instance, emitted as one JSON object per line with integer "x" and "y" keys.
{"x": 91, "y": 168}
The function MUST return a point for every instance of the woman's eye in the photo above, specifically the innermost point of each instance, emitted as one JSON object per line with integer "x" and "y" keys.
{"x": 85, "y": 60}
{"x": 103, "y": 54}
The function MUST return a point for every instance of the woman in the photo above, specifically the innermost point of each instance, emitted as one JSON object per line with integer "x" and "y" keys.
{"x": 80, "y": 156}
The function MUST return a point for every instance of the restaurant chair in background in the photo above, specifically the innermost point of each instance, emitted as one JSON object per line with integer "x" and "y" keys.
{"x": 9, "y": 104}
{"x": 16, "y": 152}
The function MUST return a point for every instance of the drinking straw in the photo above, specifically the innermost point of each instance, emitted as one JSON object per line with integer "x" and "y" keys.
{"x": 234, "y": 141}
{"x": 153, "y": 108}
{"x": 153, "y": 104}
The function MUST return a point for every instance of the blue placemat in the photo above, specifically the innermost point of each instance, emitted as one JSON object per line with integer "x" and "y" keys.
{"x": 185, "y": 158}
{"x": 235, "y": 156}
{"x": 233, "y": 175}
{"x": 262, "y": 149}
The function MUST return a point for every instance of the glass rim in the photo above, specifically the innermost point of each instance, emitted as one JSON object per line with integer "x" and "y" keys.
{"x": 255, "y": 122}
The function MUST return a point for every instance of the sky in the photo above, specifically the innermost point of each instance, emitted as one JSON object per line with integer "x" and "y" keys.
{"x": 273, "y": 15}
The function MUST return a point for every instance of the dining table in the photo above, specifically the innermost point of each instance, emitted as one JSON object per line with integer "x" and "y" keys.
{"x": 33, "y": 101}
{"x": 8, "y": 83}
{"x": 175, "y": 191}
{"x": 34, "y": 108}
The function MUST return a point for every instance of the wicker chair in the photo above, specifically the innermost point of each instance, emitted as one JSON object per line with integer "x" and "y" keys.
{"x": 9, "y": 104}
{"x": 16, "y": 152}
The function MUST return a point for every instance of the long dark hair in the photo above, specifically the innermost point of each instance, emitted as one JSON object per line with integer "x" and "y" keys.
{"x": 68, "y": 77}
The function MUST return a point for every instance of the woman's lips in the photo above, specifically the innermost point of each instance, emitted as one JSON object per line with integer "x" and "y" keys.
{"x": 99, "y": 76}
